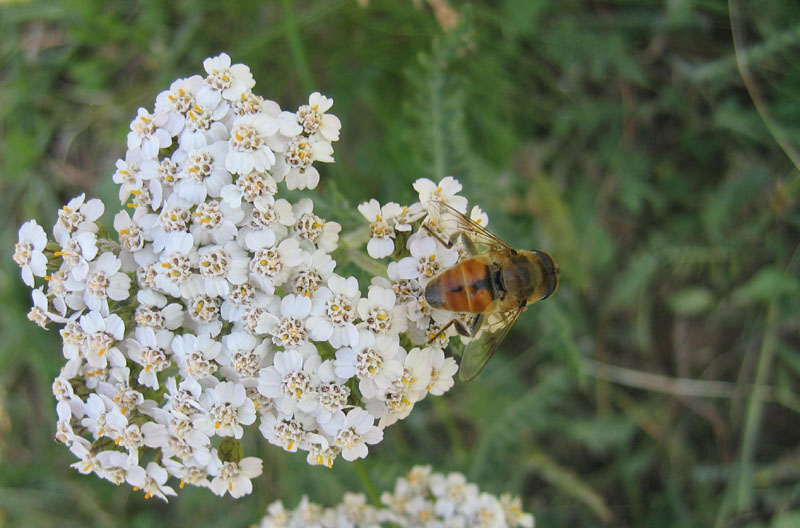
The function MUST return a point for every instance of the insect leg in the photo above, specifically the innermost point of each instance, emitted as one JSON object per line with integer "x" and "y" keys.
{"x": 446, "y": 243}
{"x": 469, "y": 245}
{"x": 467, "y": 330}
{"x": 474, "y": 325}
{"x": 443, "y": 330}
{"x": 460, "y": 328}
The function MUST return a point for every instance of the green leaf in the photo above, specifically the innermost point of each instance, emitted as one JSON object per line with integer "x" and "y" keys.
{"x": 790, "y": 519}
{"x": 230, "y": 450}
{"x": 599, "y": 434}
{"x": 768, "y": 283}
{"x": 636, "y": 277}
{"x": 691, "y": 301}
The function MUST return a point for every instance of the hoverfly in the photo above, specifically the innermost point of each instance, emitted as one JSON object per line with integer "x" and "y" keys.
{"x": 490, "y": 286}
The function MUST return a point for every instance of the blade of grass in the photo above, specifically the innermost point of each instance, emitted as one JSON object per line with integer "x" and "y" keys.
{"x": 571, "y": 484}
{"x": 683, "y": 387}
{"x": 442, "y": 409}
{"x": 739, "y": 492}
{"x": 659, "y": 383}
{"x": 778, "y": 134}
{"x": 755, "y": 407}
{"x": 366, "y": 482}
{"x": 270, "y": 34}
{"x": 292, "y": 32}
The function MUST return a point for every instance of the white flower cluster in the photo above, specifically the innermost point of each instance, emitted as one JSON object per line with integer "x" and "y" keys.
{"x": 218, "y": 308}
{"x": 420, "y": 499}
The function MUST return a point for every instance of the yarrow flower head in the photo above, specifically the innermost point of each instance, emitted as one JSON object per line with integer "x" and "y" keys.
{"x": 217, "y": 310}
{"x": 381, "y": 227}
{"x": 420, "y": 499}
{"x": 28, "y": 251}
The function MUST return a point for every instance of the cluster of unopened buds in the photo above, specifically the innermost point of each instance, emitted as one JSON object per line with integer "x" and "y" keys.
{"x": 216, "y": 305}
{"x": 420, "y": 499}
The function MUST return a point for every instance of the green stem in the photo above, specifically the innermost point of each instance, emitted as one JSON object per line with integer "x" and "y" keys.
{"x": 738, "y": 494}
{"x": 299, "y": 56}
{"x": 775, "y": 129}
{"x": 436, "y": 85}
{"x": 755, "y": 406}
{"x": 366, "y": 263}
{"x": 366, "y": 482}
{"x": 451, "y": 428}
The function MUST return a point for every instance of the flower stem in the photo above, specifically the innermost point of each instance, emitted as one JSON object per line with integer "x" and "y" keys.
{"x": 366, "y": 482}
{"x": 451, "y": 428}
{"x": 296, "y": 45}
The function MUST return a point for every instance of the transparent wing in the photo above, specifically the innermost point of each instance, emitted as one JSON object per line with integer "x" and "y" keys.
{"x": 479, "y": 351}
{"x": 444, "y": 221}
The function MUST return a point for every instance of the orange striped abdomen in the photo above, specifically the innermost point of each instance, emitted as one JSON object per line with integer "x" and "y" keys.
{"x": 463, "y": 288}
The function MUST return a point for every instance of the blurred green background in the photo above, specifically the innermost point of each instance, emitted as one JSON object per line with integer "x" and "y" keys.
{"x": 651, "y": 146}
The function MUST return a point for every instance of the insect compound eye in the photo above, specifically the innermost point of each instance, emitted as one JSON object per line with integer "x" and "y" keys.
{"x": 550, "y": 271}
